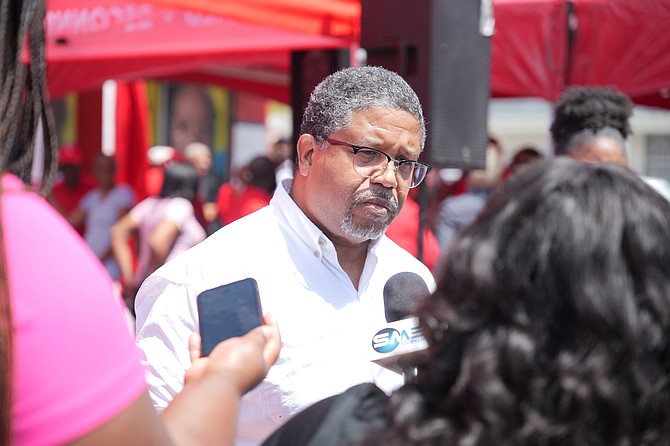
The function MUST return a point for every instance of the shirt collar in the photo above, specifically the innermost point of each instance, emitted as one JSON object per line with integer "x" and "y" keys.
{"x": 283, "y": 205}
{"x": 288, "y": 211}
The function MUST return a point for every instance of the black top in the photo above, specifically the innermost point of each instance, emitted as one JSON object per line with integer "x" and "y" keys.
{"x": 343, "y": 419}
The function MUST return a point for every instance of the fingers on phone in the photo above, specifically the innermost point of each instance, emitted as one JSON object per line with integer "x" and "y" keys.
{"x": 194, "y": 346}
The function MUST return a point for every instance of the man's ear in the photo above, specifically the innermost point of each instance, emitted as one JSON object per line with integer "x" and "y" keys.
{"x": 306, "y": 146}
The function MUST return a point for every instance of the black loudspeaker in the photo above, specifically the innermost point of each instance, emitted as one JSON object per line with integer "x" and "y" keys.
{"x": 308, "y": 68}
{"x": 437, "y": 46}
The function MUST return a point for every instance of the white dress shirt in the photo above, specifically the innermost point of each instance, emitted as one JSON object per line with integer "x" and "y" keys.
{"x": 325, "y": 322}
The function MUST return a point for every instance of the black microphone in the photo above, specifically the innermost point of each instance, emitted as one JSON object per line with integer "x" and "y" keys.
{"x": 401, "y": 294}
{"x": 400, "y": 345}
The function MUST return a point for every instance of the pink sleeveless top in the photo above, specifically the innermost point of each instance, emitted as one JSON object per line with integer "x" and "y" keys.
{"x": 75, "y": 365}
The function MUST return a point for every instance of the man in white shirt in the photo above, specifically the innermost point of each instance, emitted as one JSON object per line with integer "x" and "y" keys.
{"x": 318, "y": 253}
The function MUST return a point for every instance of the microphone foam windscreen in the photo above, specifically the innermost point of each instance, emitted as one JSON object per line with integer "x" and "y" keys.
{"x": 401, "y": 294}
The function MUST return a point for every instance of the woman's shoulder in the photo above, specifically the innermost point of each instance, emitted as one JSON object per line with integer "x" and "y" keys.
{"x": 339, "y": 420}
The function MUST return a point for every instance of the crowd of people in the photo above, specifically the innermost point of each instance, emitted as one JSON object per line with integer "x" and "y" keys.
{"x": 185, "y": 203}
{"x": 590, "y": 124}
{"x": 541, "y": 286}
{"x": 98, "y": 207}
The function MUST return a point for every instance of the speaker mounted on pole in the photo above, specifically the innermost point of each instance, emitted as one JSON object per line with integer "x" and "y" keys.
{"x": 443, "y": 49}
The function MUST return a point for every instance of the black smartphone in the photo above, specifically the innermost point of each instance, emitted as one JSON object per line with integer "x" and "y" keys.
{"x": 227, "y": 311}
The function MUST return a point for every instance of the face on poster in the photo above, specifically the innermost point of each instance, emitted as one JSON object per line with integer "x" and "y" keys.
{"x": 191, "y": 116}
{"x": 195, "y": 113}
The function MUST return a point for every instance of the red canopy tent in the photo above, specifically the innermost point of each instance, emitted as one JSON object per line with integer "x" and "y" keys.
{"x": 91, "y": 41}
{"x": 539, "y": 46}
{"x": 626, "y": 44}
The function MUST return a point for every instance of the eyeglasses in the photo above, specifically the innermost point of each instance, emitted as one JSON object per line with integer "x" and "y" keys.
{"x": 369, "y": 163}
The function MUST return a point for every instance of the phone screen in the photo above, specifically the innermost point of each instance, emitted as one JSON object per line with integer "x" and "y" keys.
{"x": 228, "y": 311}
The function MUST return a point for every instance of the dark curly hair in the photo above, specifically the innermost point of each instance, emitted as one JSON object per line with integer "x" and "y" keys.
{"x": 550, "y": 322}
{"x": 180, "y": 180}
{"x": 581, "y": 108}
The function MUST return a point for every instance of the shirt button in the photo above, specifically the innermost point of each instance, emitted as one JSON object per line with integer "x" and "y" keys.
{"x": 317, "y": 254}
{"x": 322, "y": 242}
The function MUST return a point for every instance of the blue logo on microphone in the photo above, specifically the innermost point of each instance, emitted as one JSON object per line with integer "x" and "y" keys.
{"x": 388, "y": 339}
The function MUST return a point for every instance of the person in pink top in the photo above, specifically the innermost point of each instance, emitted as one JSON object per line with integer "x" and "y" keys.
{"x": 52, "y": 355}
{"x": 69, "y": 370}
{"x": 163, "y": 226}
{"x": 74, "y": 368}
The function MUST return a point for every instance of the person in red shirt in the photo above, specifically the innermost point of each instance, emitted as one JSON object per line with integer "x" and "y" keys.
{"x": 73, "y": 183}
{"x": 404, "y": 231}
{"x": 253, "y": 191}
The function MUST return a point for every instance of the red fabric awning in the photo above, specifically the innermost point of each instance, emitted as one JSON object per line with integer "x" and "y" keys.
{"x": 541, "y": 46}
{"x": 528, "y": 48}
{"x": 534, "y": 52}
{"x": 336, "y": 18}
{"x": 624, "y": 43}
{"x": 90, "y": 41}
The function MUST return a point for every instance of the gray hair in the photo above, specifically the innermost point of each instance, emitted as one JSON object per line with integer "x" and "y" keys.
{"x": 334, "y": 100}
{"x": 575, "y": 141}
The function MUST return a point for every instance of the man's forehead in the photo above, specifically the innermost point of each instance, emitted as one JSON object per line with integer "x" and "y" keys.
{"x": 381, "y": 114}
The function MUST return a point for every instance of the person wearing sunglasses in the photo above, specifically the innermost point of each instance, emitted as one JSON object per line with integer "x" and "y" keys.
{"x": 318, "y": 252}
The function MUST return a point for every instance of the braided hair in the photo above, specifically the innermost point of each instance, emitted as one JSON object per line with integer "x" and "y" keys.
{"x": 23, "y": 107}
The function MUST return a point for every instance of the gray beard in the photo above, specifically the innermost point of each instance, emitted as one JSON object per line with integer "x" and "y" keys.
{"x": 374, "y": 226}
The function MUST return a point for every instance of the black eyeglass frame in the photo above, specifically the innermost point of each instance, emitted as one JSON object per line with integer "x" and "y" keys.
{"x": 396, "y": 162}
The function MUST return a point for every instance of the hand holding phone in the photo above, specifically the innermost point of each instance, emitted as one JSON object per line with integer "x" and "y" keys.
{"x": 246, "y": 358}
{"x": 227, "y": 311}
